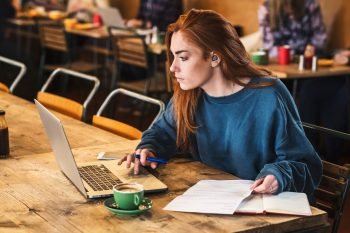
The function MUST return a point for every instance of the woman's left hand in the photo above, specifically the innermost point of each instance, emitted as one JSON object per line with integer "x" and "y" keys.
{"x": 267, "y": 184}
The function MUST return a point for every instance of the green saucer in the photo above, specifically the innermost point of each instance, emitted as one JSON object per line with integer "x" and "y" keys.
{"x": 110, "y": 204}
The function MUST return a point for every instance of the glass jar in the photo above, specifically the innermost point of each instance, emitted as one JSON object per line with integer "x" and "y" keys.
{"x": 4, "y": 137}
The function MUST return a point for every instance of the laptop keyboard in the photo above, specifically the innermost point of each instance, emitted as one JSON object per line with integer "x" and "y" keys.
{"x": 99, "y": 177}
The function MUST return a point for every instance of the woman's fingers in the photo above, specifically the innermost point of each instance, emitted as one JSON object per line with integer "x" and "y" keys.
{"x": 143, "y": 155}
{"x": 268, "y": 184}
{"x": 139, "y": 158}
{"x": 127, "y": 158}
{"x": 137, "y": 165}
{"x": 257, "y": 183}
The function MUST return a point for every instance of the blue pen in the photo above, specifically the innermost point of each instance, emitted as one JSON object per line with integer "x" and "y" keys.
{"x": 152, "y": 159}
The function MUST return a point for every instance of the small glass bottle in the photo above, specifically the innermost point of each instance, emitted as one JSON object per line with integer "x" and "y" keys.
{"x": 308, "y": 54}
{"x": 301, "y": 62}
{"x": 314, "y": 63}
{"x": 4, "y": 137}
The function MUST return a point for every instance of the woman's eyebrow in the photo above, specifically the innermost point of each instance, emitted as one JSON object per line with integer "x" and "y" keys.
{"x": 180, "y": 51}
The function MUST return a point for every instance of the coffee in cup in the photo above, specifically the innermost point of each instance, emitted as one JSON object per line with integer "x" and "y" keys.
{"x": 260, "y": 57}
{"x": 128, "y": 196}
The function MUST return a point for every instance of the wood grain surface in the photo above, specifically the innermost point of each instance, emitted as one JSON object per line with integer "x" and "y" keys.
{"x": 27, "y": 135}
{"x": 37, "y": 197}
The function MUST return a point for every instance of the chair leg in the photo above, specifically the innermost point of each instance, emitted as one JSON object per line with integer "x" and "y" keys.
{"x": 41, "y": 70}
{"x": 147, "y": 86}
{"x": 115, "y": 74}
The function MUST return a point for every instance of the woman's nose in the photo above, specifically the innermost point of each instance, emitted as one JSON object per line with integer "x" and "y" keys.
{"x": 172, "y": 67}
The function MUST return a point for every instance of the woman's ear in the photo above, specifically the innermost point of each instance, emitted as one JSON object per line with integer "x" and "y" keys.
{"x": 215, "y": 60}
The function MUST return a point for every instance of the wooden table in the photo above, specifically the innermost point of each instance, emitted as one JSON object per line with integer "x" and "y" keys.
{"x": 291, "y": 71}
{"x": 102, "y": 33}
{"x": 37, "y": 197}
{"x": 26, "y": 131}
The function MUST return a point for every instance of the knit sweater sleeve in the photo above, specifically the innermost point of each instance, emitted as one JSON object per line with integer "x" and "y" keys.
{"x": 161, "y": 137}
{"x": 297, "y": 166}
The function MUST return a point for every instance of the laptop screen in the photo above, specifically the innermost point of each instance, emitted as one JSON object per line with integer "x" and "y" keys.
{"x": 111, "y": 17}
{"x": 60, "y": 146}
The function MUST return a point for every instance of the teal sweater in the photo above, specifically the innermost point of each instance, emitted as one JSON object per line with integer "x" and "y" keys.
{"x": 250, "y": 134}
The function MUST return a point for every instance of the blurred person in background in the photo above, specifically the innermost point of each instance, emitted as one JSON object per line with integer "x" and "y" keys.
{"x": 47, "y": 4}
{"x": 77, "y": 5}
{"x": 7, "y": 10}
{"x": 152, "y": 13}
{"x": 321, "y": 101}
{"x": 84, "y": 10}
{"x": 296, "y": 23}
{"x": 159, "y": 13}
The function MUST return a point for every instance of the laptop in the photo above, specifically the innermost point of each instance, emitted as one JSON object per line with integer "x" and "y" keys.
{"x": 92, "y": 179}
{"x": 111, "y": 17}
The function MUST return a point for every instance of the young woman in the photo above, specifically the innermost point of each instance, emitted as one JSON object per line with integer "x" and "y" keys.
{"x": 227, "y": 113}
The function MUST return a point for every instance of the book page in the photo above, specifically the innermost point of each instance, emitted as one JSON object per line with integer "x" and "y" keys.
{"x": 212, "y": 196}
{"x": 287, "y": 203}
{"x": 252, "y": 205}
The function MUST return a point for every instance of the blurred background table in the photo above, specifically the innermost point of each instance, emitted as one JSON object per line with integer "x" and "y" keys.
{"x": 292, "y": 72}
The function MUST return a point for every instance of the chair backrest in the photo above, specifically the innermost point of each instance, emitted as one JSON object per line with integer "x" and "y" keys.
{"x": 4, "y": 88}
{"x": 22, "y": 71}
{"x": 335, "y": 184}
{"x": 62, "y": 104}
{"x": 128, "y": 47}
{"x": 53, "y": 36}
{"x": 121, "y": 128}
{"x": 333, "y": 191}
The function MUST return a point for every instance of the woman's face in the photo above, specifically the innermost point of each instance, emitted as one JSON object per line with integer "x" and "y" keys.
{"x": 189, "y": 67}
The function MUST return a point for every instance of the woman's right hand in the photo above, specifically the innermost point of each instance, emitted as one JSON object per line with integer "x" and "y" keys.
{"x": 142, "y": 161}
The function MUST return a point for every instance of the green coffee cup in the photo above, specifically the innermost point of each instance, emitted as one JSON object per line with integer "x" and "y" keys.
{"x": 128, "y": 196}
{"x": 259, "y": 57}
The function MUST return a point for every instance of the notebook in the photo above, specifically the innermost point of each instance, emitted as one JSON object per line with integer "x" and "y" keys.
{"x": 235, "y": 196}
{"x": 111, "y": 17}
{"x": 83, "y": 175}
{"x": 291, "y": 203}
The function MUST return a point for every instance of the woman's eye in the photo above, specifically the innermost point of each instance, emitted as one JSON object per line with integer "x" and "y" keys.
{"x": 183, "y": 58}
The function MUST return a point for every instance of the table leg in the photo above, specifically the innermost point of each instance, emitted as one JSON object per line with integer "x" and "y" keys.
{"x": 295, "y": 88}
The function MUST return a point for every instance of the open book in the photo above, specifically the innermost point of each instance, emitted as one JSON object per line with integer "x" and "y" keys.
{"x": 283, "y": 203}
{"x": 234, "y": 196}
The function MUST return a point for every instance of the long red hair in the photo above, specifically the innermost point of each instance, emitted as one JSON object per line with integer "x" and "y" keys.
{"x": 210, "y": 32}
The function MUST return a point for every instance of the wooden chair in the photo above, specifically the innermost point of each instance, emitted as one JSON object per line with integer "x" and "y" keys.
{"x": 335, "y": 184}
{"x": 22, "y": 70}
{"x": 118, "y": 127}
{"x": 54, "y": 38}
{"x": 65, "y": 105}
{"x": 333, "y": 191}
{"x": 131, "y": 49}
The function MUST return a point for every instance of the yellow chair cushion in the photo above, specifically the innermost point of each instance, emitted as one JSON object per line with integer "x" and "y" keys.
{"x": 61, "y": 104}
{"x": 4, "y": 88}
{"x": 116, "y": 127}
